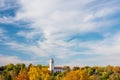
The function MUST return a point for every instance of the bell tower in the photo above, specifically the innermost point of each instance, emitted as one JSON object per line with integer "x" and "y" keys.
{"x": 51, "y": 65}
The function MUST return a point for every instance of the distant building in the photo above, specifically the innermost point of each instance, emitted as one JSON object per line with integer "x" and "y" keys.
{"x": 52, "y": 68}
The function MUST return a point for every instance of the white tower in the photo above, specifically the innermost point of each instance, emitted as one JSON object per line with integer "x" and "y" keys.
{"x": 51, "y": 65}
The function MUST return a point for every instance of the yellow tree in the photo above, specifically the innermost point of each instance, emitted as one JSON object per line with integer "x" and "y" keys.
{"x": 45, "y": 74}
{"x": 36, "y": 73}
{"x": 22, "y": 75}
{"x": 76, "y": 75}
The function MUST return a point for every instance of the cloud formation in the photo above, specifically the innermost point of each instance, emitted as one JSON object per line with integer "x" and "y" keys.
{"x": 4, "y": 59}
{"x": 55, "y": 29}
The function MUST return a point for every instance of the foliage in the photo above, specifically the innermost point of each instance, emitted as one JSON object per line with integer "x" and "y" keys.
{"x": 23, "y": 75}
{"x": 76, "y": 75}
{"x": 39, "y": 72}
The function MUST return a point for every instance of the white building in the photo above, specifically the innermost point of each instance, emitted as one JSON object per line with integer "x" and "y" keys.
{"x": 52, "y": 68}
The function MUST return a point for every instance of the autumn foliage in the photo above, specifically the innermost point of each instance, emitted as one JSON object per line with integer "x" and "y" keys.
{"x": 76, "y": 75}
{"x": 39, "y": 72}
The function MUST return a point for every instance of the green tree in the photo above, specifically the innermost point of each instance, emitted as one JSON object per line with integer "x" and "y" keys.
{"x": 114, "y": 76}
{"x": 75, "y": 68}
{"x": 66, "y": 68}
{"x": 10, "y": 67}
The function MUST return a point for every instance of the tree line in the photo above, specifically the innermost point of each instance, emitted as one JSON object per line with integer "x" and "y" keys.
{"x": 40, "y": 72}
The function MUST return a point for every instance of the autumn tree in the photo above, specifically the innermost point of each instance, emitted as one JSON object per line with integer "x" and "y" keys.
{"x": 76, "y": 75}
{"x": 114, "y": 76}
{"x": 23, "y": 75}
{"x": 66, "y": 68}
{"x": 116, "y": 69}
{"x": 75, "y": 68}
{"x": 36, "y": 73}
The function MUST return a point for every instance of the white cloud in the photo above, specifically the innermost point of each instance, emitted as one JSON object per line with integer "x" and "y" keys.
{"x": 1, "y": 3}
{"x": 96, "y": 61}
{"x": 6, "y": 20}
{"x": 108, "y": 49}
{"x": 58, "y": 20}
{"x": 29, "y": 34}
{"x": 8, "y": 4}
{"x": 110, "y": 45}
{"x": 4, "y": 60}
{"x": 101, "y": 13}
{"x": 63, "y": 17}
{"x": 3, "y": 36}
{"x": 107, "y": 46}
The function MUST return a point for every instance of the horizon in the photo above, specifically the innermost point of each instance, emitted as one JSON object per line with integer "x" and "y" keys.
{"x": 74, "y": 33}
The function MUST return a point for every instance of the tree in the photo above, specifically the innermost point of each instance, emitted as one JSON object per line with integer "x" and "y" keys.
{"x": 22, "y": 75}
{"x": 66, "y": 68}
{"x": 116, "y": 69}
{"x": 2, "y": 68}
{"x": 114, "y": 76}
{"x": 75, "y": 68}
{"x": 105, "y": 76}
{"x": 76, "y": 75}
{"x": 90, "y": 71}
{"x": 109, "y": 69}
{"x": 10, "y": 67}
{"x": 39, "y": 66}
{"x": 36, "y": 73}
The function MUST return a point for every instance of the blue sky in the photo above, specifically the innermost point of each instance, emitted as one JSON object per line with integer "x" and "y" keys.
{"x": 73, "y": 32}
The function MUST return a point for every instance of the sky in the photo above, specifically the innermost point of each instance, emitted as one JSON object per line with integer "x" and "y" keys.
{"x": 73, "y": 32}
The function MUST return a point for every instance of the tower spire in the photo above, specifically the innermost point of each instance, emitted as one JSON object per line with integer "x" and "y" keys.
{"x": 51, "y": 65}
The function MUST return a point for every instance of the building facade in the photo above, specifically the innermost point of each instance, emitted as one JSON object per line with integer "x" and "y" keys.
{"x": 52, "y": 68}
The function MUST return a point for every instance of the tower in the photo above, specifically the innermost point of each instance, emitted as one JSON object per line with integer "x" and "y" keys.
{"x": 51, "y": 65}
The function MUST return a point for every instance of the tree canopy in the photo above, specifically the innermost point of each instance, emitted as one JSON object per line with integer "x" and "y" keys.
{"x": 40, "y": 72}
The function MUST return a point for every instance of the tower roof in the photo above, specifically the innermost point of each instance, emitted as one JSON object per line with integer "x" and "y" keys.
{"x": 52, "y": 60}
